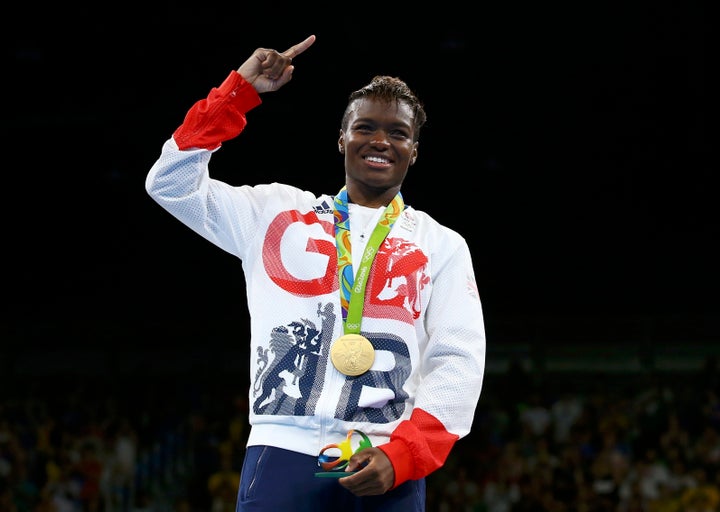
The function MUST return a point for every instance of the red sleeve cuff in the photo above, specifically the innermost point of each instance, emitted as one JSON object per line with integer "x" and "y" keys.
{"x": 220, "y": 116}
{"x": 401, "y": 460}
{"x": 242, "y": 95}
{"x": 418, "y": 447}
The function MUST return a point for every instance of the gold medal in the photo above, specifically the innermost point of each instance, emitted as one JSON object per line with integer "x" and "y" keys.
{"x": 352, "y": 354}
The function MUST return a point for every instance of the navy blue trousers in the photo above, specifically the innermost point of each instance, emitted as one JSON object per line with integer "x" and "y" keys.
{"x": 273, "y": 480}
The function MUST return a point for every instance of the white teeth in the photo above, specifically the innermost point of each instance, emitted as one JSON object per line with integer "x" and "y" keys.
{"x": 377, "y": 159}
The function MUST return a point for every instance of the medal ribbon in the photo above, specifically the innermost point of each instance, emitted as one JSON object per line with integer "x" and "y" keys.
{"x": 352, "y": 294}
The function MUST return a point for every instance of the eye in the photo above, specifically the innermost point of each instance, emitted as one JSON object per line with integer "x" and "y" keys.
{"x": 399, "y": 134}
{"x": 363, "y": 128}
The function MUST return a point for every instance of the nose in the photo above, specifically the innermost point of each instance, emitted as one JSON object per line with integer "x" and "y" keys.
{"x": 380, "y": 139}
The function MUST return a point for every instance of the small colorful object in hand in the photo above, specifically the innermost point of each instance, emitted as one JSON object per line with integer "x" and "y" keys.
{"x": 331, "y": 461}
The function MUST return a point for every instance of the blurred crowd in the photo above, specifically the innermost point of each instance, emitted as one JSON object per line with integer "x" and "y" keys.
{"x": 645, "y": 442}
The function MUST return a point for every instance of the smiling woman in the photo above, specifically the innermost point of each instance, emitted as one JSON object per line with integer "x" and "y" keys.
{"x": 377, "y": 329}
{"x": 379, "y": 138}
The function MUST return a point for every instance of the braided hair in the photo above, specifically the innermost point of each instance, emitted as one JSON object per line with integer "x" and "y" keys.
{"x": 389, "y": 89}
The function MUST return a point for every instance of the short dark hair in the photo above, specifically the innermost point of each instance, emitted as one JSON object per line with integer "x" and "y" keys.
{"x": 389, "y": 89}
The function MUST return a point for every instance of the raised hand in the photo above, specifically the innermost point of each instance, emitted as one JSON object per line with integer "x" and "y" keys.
{"x": 268, "y": 70}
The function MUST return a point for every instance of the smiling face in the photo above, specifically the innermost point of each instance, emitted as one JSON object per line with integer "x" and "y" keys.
{"x": 377, "y": 141}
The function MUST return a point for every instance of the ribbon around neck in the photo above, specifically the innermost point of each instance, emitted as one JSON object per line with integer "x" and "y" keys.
{"x": 352, "y": 294}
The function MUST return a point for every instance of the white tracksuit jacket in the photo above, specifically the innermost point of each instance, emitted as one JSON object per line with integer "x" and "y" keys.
{"x": 422, "y": 310}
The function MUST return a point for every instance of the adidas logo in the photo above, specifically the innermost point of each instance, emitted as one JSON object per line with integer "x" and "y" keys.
{"x": 323, "y": 207}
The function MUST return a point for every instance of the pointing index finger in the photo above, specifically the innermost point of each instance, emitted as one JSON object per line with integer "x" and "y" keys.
{"x": 297, "y": 49}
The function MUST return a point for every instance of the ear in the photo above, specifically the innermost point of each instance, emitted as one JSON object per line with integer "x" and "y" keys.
{"x": 341, "y": 143}
{"x": 414, "y": 154}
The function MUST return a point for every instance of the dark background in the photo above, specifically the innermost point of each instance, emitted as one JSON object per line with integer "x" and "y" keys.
{"x": 567, "y": 142}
